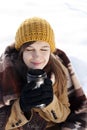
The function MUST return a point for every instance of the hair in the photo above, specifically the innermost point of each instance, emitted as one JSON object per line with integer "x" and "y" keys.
{"x": 56, "y": 67}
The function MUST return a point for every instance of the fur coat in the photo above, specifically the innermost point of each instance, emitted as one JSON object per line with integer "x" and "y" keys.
{"x": 78, "y": 101}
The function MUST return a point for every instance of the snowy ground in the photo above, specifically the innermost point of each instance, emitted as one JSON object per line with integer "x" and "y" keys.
{"x": 67, "y": 17}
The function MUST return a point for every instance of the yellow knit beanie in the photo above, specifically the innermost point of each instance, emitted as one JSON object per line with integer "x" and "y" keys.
{"x": 35, "y": 29}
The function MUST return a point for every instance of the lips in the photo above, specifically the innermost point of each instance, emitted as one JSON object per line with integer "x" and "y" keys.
{"x": 36, "y": 63}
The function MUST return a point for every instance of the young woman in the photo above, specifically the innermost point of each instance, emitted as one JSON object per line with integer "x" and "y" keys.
{"x": 23, "y": 105}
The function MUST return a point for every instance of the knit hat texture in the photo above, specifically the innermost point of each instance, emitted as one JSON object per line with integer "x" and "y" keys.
{"x": 35, "y": 29}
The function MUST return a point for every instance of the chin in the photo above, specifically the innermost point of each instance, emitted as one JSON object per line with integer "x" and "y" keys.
{"x": 38, "y": 67}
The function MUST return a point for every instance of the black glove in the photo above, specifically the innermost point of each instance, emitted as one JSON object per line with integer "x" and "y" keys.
{"x": 30, "y": 97}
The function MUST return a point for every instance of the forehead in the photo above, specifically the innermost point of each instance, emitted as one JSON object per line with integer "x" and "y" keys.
{"x": 40, "y": 44}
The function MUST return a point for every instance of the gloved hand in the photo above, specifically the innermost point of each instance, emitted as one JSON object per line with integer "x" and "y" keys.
{"x": 30, "y": 97}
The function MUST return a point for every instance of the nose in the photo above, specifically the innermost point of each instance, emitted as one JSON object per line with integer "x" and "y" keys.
{"x": 36, "y": 54}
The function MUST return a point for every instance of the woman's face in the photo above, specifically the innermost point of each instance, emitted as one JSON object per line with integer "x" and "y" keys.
{"x": 36, "y": 55}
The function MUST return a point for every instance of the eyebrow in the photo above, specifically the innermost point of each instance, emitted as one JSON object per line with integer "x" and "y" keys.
{"x": 46, "y": 46}
{"x": 41, "y": 46}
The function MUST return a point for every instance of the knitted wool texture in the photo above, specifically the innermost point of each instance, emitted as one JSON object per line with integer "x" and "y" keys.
{"x": 35, "y": 29}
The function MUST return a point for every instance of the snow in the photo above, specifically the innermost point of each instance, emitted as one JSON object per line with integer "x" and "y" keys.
{"x": 67, "y": 17}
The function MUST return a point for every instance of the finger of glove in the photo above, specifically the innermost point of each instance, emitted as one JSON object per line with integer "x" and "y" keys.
{"x": 32, "y": 93}
{"x": 34, "y": 103}
{"x": 29, "y": 86}
{"x": 34, "y": 100}
{"x": 47, "y": 81}
{"x": 47, "y": 101}
{"x": 40, "y": 97}
{"x": 46, "y": 88}
{"x": 47, "y": 95}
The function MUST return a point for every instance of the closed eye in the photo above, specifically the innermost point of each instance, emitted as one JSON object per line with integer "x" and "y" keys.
{"x": 44, "y": 49}
{"x": 29, "y": 49}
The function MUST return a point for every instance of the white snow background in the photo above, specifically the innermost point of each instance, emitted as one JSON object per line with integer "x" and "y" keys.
{"x": 68, "y": 19}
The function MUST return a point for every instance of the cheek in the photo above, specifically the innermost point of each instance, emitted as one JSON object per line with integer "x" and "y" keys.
{"x": 47, "y": 56}
{"x": 25, "y": 58}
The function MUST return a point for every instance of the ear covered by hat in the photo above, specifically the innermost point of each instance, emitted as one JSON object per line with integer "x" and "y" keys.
{"x": 35, "y": 29}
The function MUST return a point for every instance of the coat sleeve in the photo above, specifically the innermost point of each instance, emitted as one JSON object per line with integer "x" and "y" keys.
{"x": 57, "y": 111}
{"x": 16, "y": 118}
